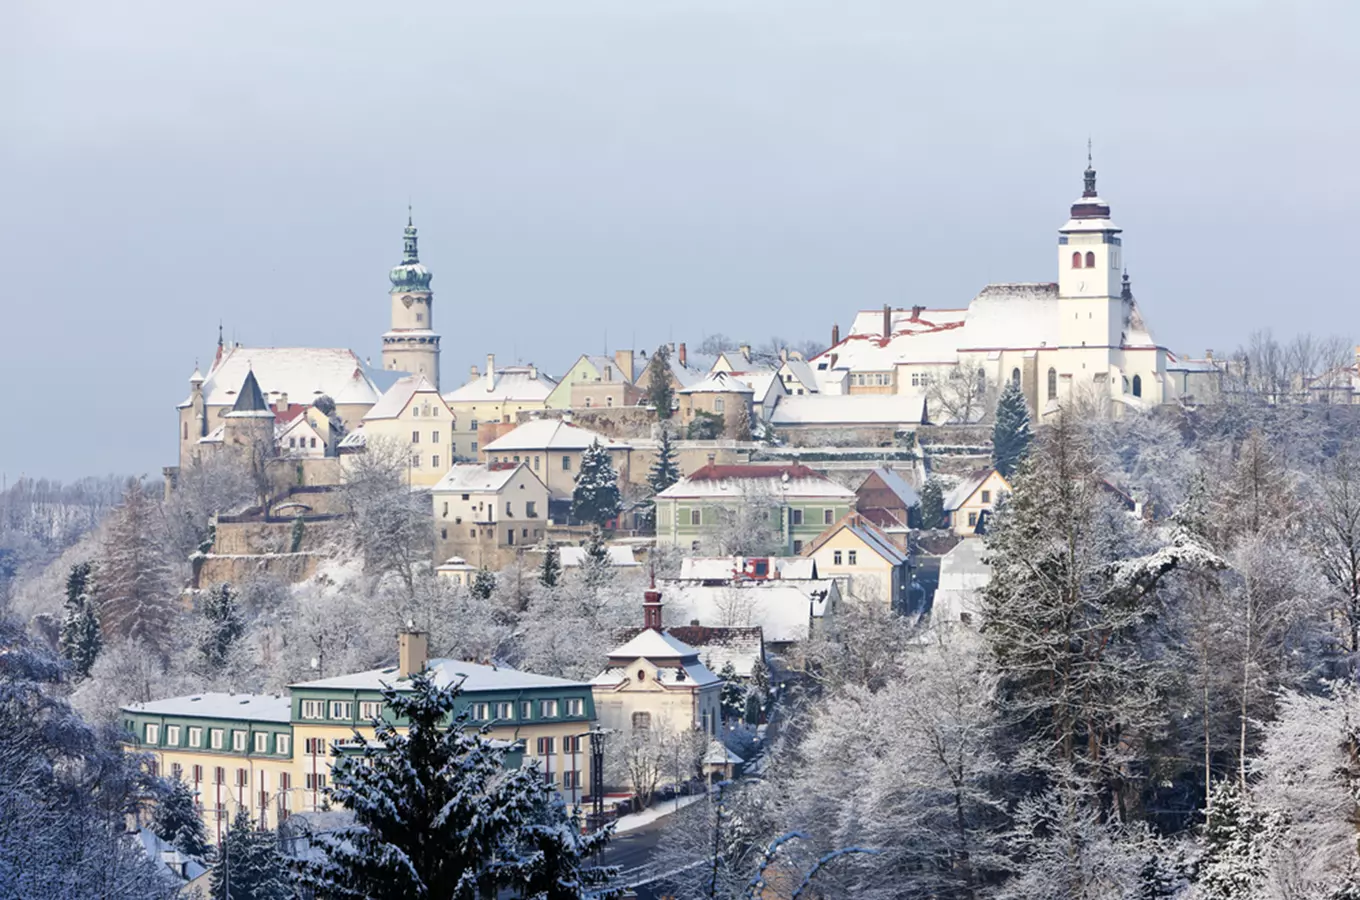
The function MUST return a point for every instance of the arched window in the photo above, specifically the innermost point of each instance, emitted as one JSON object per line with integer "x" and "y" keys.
{"x": 1052, "y": 384}
{"x": 1090, "y": 259}
{"x": 1076, "y": 260}
{"x": 1015, "y": 377}
{"x": 1138, "y": 385}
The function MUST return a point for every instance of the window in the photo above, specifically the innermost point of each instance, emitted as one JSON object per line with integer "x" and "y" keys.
{"x": 1138, "y": 385}
{"x": 153, "y": 733}
{"x": 986, "y": 496}
{"x": 851, "y": 557}
{"x": 281, "y": 742}
{"x": 571, "y": 780}
{"x": 535, "y": 463}
{"x": 219, "y": 775}
{"x": 797, "y": 546}
{"x": 474, "y": 446}
{"x": 836, "y": 558}
{"x": 434, "y": 461}
{"x": 316, "y": 781}
{"x": 172, "y": 735}
{"x": 530, "y": 509}
{"x": 261, "y": 742}
{"x": 642, "y": 721}
{"x": 972, "y": 519}
{"x": 446, "y": 509}
{"x": 547, "y": 709}
{"x": 505, "y": 711}
{"x": 481, "y": 711}
{"x": 572, "y": 744}
{"x": 472, "y": 426}
{"x": 198, "y": 774}
{"x": 342, "y": 709}
{"x": 1076, "y": 260}
{"x": 415, "y": 412}
{"x": 177, "y": 771}
{"x": 1015, "y": 377}
{"x": 315, "y": 746}
{"x": 415, "y": 460}
{"x": 313, "y": 709}
{"x": 609, "y": 401}
{"x": 292, "y": 442}
{"x": 370, "y": 710}
{"x": 242, "y": 777}
{"x": 526, "y": 709}
{"x": 215, "y": 738}
{"x": 285, "y": 783}
{"x": 313, "y": 443}
{"x": 509, "y": 510}
{"x": 195, "y": 737}
{"x": 434, "y": 437}
{"x": 576, "y": 707}
{"x": 415, "y": 437}
{"x": 1090, "y": 260}
{"x": 717, "y": 404}
{"x": 1052, "y": 384}
{"x": 827, "y": 515}
{"x": 566, "y": 463}
{"x": 795, "y": 517}
{"x": 545, "y": 746}
{"x": 238, "y": 742}
{"x": 696, "y": 516}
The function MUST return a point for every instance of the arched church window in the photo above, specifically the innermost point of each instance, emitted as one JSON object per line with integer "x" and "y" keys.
{"x": 1076, "y": 260}
{"x": 1138, "y": 385}
{"x": 1015, "y": 377}
{"x": 1090, "y": 259}
{"x": 1052, "y": 384}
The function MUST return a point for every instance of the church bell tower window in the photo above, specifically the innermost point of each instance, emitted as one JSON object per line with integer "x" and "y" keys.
{"x": 1076, "y": 260}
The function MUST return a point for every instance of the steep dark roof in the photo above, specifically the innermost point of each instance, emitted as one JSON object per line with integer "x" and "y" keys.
{"x": 250, "y": 398}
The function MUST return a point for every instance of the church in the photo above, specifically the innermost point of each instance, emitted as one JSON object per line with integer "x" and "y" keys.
{"x": 1080, "y": 339}
{"x": 315, "y": 395}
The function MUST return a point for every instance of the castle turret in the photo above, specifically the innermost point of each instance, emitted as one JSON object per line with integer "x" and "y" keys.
{"x": 411, "y": 345}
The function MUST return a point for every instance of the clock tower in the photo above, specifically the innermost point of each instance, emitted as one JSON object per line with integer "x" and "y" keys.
{"x": 411, "y": 344}
{"x": 1090, "y": 264}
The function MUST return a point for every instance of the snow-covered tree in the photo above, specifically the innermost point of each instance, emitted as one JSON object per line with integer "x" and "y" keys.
{"x": 663, "y": 473}
{"x": 960, "y": 394}
{"x": 177, "y": 820}
{"x": 437, "y": 814}
{"x": 80, "y": 639}
{"x": 389, "y": 523}
{"x": 705, "y": 426}
{"x": 221, "y": 627}
{"x": 660, "y": 393}
{"x": 733, "y": 693}
{"x": 483, "y": 583}
{"x": 932, "y": 504}
{"x": 550, "y": 572}
{"x": 1011, "y": 434}
{"x": 134, "y": 581}
{"x": 250, "y": 865}
{"x": 1236, "y": 840}
{"x": 596, "y": 499}
{"x": 1336, "y": 539}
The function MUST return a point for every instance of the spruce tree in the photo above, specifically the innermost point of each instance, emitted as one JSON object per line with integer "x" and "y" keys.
{"x": 80, "y": 638}
{"x": 660, "y": 393}
{"x": 438, "y": 814}
{"x": 250, "y": 866}
{"x": 134, "y": 581}
{"x": 1011, "y": 434}
{"x": 932, "y": 504}
{"x": 483, "y": 584}
{"x": 551, "y": 570}
{"x": 733, "y": 693}
{"x": 596, "y": 498}
{"x": 222, "y": 626}
{"x": 177, "y": 821}
{"x": 663, "y": 473}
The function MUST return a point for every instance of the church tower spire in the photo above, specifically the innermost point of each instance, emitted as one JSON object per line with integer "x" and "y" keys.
{"x": 411, "y": 344}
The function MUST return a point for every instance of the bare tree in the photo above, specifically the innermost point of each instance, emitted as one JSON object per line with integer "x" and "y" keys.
{"x": 961, "y": 394}
{"x": 390, "y": 523}
{"x": 1336, "y": 540}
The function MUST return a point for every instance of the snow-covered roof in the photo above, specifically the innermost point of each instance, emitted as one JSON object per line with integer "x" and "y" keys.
{"x": 654, "y": 645}
{"x": 786, "y": 481}
{"x": 784, "y": 610}
{"x": 550, "y": 434}
{"x": 718, "y": 645}
{"x": 456, "y": 564}
{"x": 869, "y": 535}
{"x": 848, "y": 409}
{"x": 511, "y": 383}
{"x": 897, "y": 484}
{"x": 801, "y": 372}
{"x": 729, "y": 568}
{"x": 249, "y": 707}
{"x": 399, "y": 395}
{"x": 963, "y": 575}
{"x": 303, "y": 373}
{"x": 473, "y": 677}
{"x": 575, "y": 557}
{"x": 965, "y": 489}
{"x": 355, "y": 440}
{"x": 718, "y": 755}
{"x": 719, "y": 383}
{"x": 476, "y": 478}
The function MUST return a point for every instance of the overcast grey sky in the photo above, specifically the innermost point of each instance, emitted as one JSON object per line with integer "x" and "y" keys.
{"x": 660, "y": 169}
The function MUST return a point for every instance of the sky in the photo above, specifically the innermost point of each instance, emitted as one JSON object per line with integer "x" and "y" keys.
{"x": 625, "y": 172}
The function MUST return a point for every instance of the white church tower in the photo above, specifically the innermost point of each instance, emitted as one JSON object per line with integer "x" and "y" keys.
{"x": 1093, "y": 312}
{"x": 411, "y": 345}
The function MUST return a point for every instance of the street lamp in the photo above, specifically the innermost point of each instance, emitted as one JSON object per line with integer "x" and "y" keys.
{"x": 597, "y": 737}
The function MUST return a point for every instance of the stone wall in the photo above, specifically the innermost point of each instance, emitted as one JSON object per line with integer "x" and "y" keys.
{"x": 289, "y": 568}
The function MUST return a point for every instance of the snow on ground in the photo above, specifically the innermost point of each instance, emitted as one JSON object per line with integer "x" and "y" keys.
{"x": 650, "y": 815}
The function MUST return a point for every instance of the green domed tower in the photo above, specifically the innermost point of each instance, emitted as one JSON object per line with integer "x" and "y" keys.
{"x": 411, "y": 344}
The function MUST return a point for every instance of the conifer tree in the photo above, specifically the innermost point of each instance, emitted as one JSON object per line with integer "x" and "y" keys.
{"x": 1011, "y": 433}
{"x": 438, "y": 814}
{"x": 596, "y": 498}
{"x": 250, "y": 866}
{"x": 483, "y": 584}
{"x": 1236, "y": 839}
{"x": 733, "y": 693}
{"x": 222, "y": 625}
{"x": 134, "y": 581}
{"x": 660, "y": 393}
{"x": 551, "y": 570}
{"x": 177, "y": 821}
{"x": 80, "y": 638}
{"x": 932, "y": 504}
{"x": 663, "y": 474}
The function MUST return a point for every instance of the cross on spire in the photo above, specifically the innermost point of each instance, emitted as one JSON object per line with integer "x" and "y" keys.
{"x": 1090, "y": 174}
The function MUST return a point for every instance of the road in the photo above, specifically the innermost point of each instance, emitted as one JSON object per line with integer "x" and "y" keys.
{"x": 632, "y": 853}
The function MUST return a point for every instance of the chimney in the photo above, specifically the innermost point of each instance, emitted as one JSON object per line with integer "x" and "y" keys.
{"x": 835, "y": 334}
{"x": 712, "y": 458}
{"x": 1209, "y": 355}
{"x": 651, "y": 607}
{"x": 783, "y": 354}
{"x": 683, "y": 363}
{"x": 624, "y": 360}
{"x": 916, "y": 313}
{"x": 282, "y": 404}
{"x": 608, "y": 373}
{"x": 490, "y": 371}
{"x": 533, "y": 372}
{"x": 413, "y": 652}
{"x": 887, "y": 321}
{"x": 475, "y": 373}
{"x": 745, "y": 351}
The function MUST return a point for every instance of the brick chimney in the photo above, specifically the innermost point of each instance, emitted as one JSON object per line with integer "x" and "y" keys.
{"x": 491, "y": 371}
{"x": 651, "y": 607}
{"x": 887, "y": 321}
{"x": 745, "y": 351}
{"x": 624, "y": 360}
{"x": 916, "y": 313}
{"x": 835, "y": 334}
{"x": 682, "y": 355}
{"x": 413, "y": 652}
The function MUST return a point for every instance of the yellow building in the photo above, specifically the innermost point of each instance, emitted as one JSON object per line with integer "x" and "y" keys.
{"x": 552, "y": 448}
{"x": 273, "y": 754}
{"x": 487, "y": 513}
{"x": 863, "y": 558}
{"x": 496, "y": 395}
{"x": 413, "y": 416}
{"x": 970, "y": 503}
